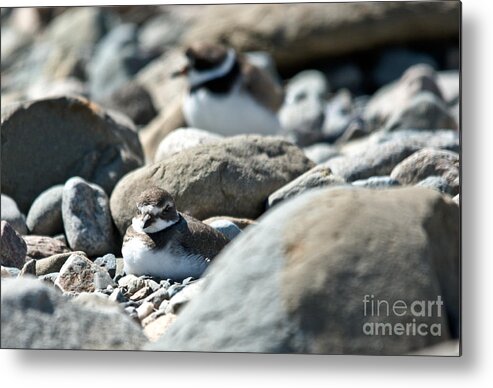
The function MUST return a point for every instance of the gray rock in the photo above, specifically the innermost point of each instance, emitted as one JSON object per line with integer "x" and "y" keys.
{"x": 429, "y": 162}
{"x": 117, "y": 58}
{"x": 320, "y": 152}
{"x": 108, "y": 262}
{"x": 131, "y": 284}
{"x": 10, "y": 272}
{"x": 339, "y": 113}
{"x": 36, "y": 316}
{"x": 312, "y": 261}
{"x": 241, "y": 223}
{"x": 317, "y": 177}
{"x": 40, "y": 247}
{"x": 424, "y": 111}
{"x": 183, "y": 138}
{"x": 47, "y": 88}
{"x": 54, "y": 263}
{"x": 162, "y": 31}
{"x": 302, "y": 114}
{"x": 264, "y": 61}
{"x": 13, "y": 247}
{"x": 12, "y": 214}
{"x": 157, "y": 297}
{"x": 180, "y": 299}
{"x": 437, "y": 183}
{"x": 377, "y": 182}
{"x": 79, "y": 274}
{"x": 393, "y": 62}
{"x": 379, "y": 153}
{"x": 228, "y": 228}
{"x": 81, "y": 139}
{"x": 232, "y": 177}
{"x": 86, "y": 217}
{"x": 397, "y": 95}
{"x": 134, "y": 101}
{"x": 45, "y": 214}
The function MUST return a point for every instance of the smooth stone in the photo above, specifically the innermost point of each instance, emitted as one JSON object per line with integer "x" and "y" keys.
{"x": 379, "y": 153}
{"x": 376, "y": 182}
{"x": 228, "y": 228}
{"x": 80, "y": 138}
{"x": 320, "y": 152}
{"x": 79, "y": 274}
{"x": 13, "y": 247}
{"x": 11, "y": 271}
{"x": 303, "y": 112}
{"x": 117, "y": 296}
{"x": 87, "y": 218}
{"x": 429, "y": 162}
{"x": 36, "y": 316}
{"x": 159, "y": 326}
{"x": 116, "y": 59}
{"x": 141, "y": 294}
{"x": 241, "y": 223}
{"x": 54, "y": 263}
{"x": 134, "y": 101}
{"x": 437, "y": 183}
{"x": 317, "y": 177}
{"x": 231, "y": 177}
{"x": 45, "y": 214}
{"x": 424, "y": 111}
{"x": 339, "y": 114}
{"x": 40, "y": 247}
{"x": 183, "y": 138}
{"x": 312, "y": 260}
{"x": 144, "y": 310}
{"x": 397, "y": 95}
{"x": 12, "y": 214}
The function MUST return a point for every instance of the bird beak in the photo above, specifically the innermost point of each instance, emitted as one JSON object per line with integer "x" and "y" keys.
{"x": 182, "y": 72}
{"x": 146, "y": 221}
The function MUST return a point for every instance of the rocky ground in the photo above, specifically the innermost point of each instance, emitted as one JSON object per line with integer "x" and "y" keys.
{"x": 359, "y": 195}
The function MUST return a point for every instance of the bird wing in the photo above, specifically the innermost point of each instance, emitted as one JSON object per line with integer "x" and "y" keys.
{"x": 261, "y": 85}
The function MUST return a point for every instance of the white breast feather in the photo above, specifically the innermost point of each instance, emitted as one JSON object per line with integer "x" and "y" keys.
{"x": 162, "y": 263}
{"x": 230, "y": 114}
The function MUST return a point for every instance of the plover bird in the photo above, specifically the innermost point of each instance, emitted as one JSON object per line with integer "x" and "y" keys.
{"x": 164, "y": 243}
{"x": 227, "y": 94}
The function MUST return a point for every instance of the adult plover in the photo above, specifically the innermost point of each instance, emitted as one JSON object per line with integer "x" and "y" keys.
{"x": 164, "y": 243}
{"x": 227, "y": 94}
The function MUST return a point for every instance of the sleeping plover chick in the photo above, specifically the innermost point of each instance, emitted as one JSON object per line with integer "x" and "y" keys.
{"x": 164, "y": 243}
{"x": 227, "y": 94}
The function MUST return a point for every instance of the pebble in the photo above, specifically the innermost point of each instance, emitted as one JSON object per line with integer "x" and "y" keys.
{"x": 157, "y": 297}
{"x": 86, "y": 217}
{"x": 107, "y": 262}
{"x": 29, "y": 268}
{"x": 131, "y": 283}
{"x": 228, "y": 228}
{"x": 376, "y": 182}
{"x": 141, "y": 294}
{"x": 117, "y": 296}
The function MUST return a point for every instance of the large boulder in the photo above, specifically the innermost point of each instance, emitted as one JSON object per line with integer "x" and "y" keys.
{"x": 312, "y": 275}
{"x": 231, "y": 177}
{"x": 46, "y": 142}
{"x": 36, "y": 316}
{"x": 299, "y": 33}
